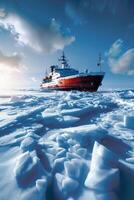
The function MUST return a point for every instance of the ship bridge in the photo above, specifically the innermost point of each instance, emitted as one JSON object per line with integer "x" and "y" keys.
{"x": 66, "y": 72}
{"x": 64, "y": 69}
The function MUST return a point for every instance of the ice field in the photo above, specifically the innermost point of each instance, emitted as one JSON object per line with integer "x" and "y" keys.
{"x": 66, "y": 145}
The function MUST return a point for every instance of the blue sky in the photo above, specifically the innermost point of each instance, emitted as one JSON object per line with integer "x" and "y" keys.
{"x": 34, "y": 33}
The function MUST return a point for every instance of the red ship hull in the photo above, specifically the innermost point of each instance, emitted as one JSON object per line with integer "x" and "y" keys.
{"x": 82, "y": 83}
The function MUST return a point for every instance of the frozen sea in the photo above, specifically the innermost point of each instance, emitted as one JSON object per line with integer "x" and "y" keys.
{"x": 66, "y": 145}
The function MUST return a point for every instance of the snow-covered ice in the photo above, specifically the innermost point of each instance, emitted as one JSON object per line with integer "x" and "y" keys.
{"x": 66, "y": 145}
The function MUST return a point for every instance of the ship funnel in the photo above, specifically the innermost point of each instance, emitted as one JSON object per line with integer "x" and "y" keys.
{"x": 52, "y": 68}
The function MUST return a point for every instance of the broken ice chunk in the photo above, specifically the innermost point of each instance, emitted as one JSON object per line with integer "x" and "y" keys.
{"x": 69, "y": 185}
{"x": 129, "y": 121}
{"x": 70, "y": 120}
{"x": 103, "y": 175}
{"x": 103, "y": 180}
{"x": 64, "y": 186}
{"x": 58, "y": 187}
{"x": 71, "y": 142}
{"x": 62, "y": 141}
{"x": 82, "y": 152}
{"x": 78, "y": 173}
{"x": 58, "y": 165}
{"x": 71, "y": 170}
{"x": 130, "y": 160}
{"x": 94, "y": 195}
{"x": 41, "y": 184}
{"x": 26, "y": 169}
{"x": 61, "y": 153}
{"x": 102, "y": 157}
{"x": 28, "y": 144}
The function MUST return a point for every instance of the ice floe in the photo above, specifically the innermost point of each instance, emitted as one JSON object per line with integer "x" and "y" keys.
{"x": 67, "y": 145}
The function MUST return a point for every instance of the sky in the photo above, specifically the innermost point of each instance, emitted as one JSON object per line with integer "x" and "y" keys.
{"x": 33, "y": 34}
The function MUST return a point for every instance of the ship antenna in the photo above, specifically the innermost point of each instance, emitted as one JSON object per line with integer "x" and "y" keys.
{"x": 63, "y": 60}
{"x": 99, "y": 61}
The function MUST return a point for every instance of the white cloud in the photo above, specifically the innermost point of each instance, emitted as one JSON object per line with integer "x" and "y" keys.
{"x": 10, "y": 62}
{"x": 2, "y": 13}
{"x": 120, "y": 62}
{"x": 116, "y": 48}
{"x": 47, "y": 38}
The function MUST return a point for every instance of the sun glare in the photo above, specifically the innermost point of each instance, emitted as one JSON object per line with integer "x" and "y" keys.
{"x": 7, "y": 79}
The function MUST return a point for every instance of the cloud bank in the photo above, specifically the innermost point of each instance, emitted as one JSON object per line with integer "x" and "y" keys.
{"x": 120, "y": 62}
{"x": 10, "y": 62}
{"x": 42, "y": 38}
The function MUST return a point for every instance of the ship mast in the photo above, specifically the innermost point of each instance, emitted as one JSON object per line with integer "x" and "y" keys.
{"x": 99, "y": 61}
{"x": 63, "y": 61}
